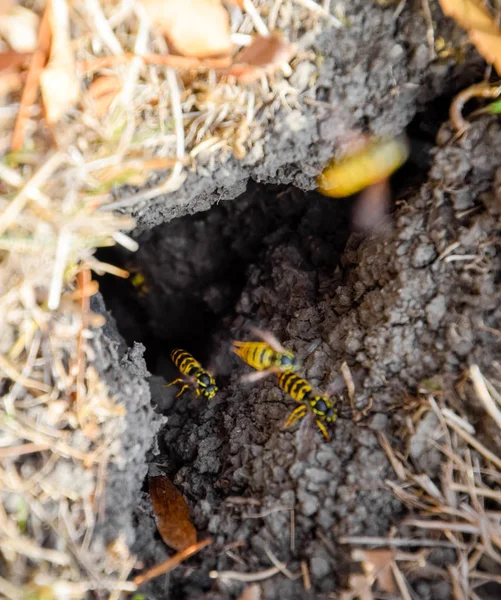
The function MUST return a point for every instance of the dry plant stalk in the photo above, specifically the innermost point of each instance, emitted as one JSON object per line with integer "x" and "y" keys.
{"x": 56, "y": 210}
{"x": 451, "y": 512}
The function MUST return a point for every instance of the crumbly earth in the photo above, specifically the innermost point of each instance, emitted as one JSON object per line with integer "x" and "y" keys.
{"x": 417, "y": 300}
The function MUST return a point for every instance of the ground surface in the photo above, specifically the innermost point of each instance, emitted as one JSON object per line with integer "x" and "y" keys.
{"x": 393, "y": 306}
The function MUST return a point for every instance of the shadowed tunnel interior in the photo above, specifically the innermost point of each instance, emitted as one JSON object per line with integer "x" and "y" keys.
{"x": 188, "y": 274}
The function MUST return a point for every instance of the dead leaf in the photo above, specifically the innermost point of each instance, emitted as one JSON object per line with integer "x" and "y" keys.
{"x": 58, "y": 82}
{"x": 360, "y": 588}
{"x": 264, "y": 55}
{"x": 251, "y": 592}
{"x": 481, "y": 26}
{"x": 19, "y": 27}
{"x": 377, "y": 567}
{"x": 172, "y": 513}
{"x": 103, "y": 90}
{"x": 11, "y": 59}
{"x": 199, "y": 28}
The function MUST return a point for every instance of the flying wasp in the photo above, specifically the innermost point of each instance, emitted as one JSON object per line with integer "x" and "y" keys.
{"x": 205, "y": 384}
{"x": 322, "y": 407}
{"x": 266, "y": 357}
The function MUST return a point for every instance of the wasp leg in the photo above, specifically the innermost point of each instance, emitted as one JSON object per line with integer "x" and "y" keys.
{"x": 197, "y": 392}
{"x": 178, "y": 380}
{"x": 321, "y": 426}
{"x": 183, "y": 389}
{"x": 296, "y": 414}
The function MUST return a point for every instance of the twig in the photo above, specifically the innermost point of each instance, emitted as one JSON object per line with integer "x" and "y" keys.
{"x": 177, "y": 113}
{"x": 397, "y": 465}
{"x": 306, "y": 575}
{"x": 442, "y": 526}
{"x": 246, "y": 577}
{"x": 319, "y": 10}
{"x": 30, "y": 89}
{"x": 483, "y": 394}
{"x": 171, "y": 563}
{"x": 475, "y": 444}
{"x": 30, "y": 191}
{"x": 280, "y": 566}
{"x": 12, "y": 592}
{"x": 478, "y": 90}
{"x": 258, "y": 22}
{"x": 430, "y": 34}
{"x": 164, "y": 60}
{"x": 100, "y": 24}
{"x": 21, "y": 449}
{"x": 62, "y": 254}
{"x": 399, "y": 578}
{"x": 382, "y": 541}
{"x": 13, "y": 374}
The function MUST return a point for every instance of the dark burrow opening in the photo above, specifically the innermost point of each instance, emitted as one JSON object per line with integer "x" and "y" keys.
{"x": 205, "y": 278}
{"x": 188, "y": 274}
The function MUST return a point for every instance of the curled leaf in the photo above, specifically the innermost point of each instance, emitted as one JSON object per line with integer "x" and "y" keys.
{"x": 199, "y": 28}
{"x": 172, "y": 513}
{"x": 264, "y": 55}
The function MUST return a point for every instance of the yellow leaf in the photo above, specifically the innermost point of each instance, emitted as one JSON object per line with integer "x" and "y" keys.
{"x": 482, "y": 28}
{"x": 199, "y": 28}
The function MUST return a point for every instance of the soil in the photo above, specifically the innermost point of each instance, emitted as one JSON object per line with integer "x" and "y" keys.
{"x": 416, "y": 300}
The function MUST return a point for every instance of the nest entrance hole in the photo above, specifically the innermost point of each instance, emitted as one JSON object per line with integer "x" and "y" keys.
{"x": 188, "y": 274}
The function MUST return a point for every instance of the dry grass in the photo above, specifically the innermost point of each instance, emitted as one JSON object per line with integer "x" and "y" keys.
{"x": 60, "y": 428}
{"x": 458, "y": 510}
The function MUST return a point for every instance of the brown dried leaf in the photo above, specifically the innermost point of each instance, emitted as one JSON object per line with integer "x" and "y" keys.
{"x": 103, "y": 90}
{"x": 58, "y": 82}
{"x": 377, "y": 566}
{"x": 173, "y": 515}
{"x": 265, "y": 55}
{"x": 481, "y": 26}
{"x": 360, "y": 588}
{"x": 11, "y": 59}
{"x": 199, "y": 28}
{"x": 19, "y": 28}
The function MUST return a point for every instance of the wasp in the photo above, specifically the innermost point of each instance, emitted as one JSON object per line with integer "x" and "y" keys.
{"x": 373, "y": 163}
{"x": 267, "y": 356}
{"x": 191, "y": 368}
{"x": 322, "y": 407}
{"x": 139, "y": 281}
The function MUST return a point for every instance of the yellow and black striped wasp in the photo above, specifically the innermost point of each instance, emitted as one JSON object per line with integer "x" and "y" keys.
{"x": 204, "y": 382}
{"x": 321, "y": 406}
{"x": 266, "y": 357}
